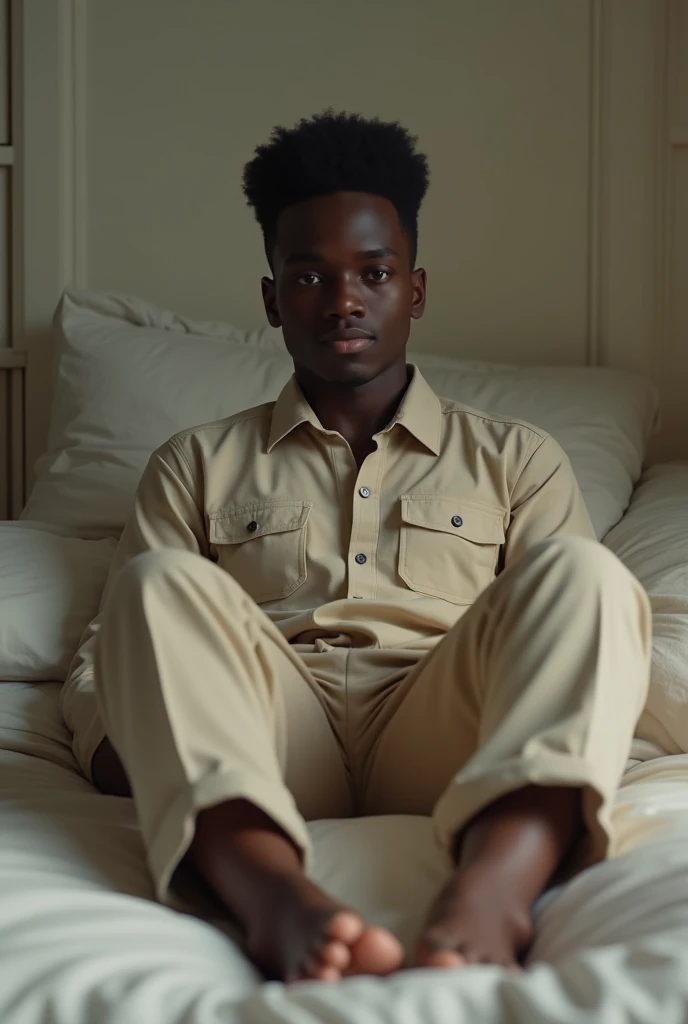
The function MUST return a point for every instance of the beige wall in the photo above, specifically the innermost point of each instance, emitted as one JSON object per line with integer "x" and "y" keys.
{"x": 179, "y": 94}
{"x": 555, "y": 230}
{"x": 675, "y": 248}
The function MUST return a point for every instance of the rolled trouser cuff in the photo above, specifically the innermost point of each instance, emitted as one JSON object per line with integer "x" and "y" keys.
{"x": 173, "y": 836}
{"x": 468, "y": 795}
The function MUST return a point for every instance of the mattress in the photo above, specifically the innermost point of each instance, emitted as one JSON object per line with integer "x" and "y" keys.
{"x": 82, "y": 939}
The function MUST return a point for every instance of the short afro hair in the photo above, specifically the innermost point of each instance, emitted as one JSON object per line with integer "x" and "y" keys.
{"x": 333, "y": 152}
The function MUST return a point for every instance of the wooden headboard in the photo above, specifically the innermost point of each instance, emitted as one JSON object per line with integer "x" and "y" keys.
{"x": 555, "y": 229}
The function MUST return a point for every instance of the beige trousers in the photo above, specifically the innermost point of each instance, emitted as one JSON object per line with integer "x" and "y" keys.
{"x": 541, "y": 681}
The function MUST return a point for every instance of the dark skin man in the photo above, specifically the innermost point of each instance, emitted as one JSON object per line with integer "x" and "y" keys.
{"x": 344, "y": 292}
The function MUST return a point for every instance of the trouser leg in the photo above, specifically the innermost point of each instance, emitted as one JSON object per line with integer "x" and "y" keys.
{"x": 204, "y": 701}
{"x": 541, "y": 682}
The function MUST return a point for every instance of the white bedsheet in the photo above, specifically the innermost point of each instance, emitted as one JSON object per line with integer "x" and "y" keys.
{"x": 83, "y": 942}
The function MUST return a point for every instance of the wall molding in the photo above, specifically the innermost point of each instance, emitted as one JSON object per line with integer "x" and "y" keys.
{"x": 73, "y": 57}
{"x": 46, "y": 249}
{"x": 634, "y": 141}
{"x": 12, "y": 359}
{"x": 597, "y": 97}
{"x": 633, "y": 129}
{"x": 673, "y": 139}
{"x": 663, "y": 200}
{"x": 627, "y": 99}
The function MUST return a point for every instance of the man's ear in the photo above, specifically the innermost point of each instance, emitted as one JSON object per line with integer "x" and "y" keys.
{"x": 420, "y": 282}
{"x": 269, "y": 291}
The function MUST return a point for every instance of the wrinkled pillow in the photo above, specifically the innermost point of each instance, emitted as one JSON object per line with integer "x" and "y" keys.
{"x": 652, "y": 541}
{"x": 602, "y": 418}
{"x": 129, "y": 375}
{"x": 50, "y": 589}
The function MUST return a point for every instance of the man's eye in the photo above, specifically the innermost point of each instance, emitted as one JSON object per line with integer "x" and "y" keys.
{"x": 309, "y": 279}
{"x": 379, "y": 274}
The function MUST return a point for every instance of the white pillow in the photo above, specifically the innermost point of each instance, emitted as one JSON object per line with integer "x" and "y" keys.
{"x": 129, "y": 375}
{"x": 652, "y": 540}
{"x": 50, "y": 589}
{"x": 602, "y": 418}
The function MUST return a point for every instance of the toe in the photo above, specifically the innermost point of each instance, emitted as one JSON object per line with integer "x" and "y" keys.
{"x": 439, "y": 947}
{"x": 345, "y": 927}
{"x": 313, "y": 968}
{"x": 444, "y": 958}
{"x": 376, "y": 952}
{"x": 336, "y": 954}
{"x": 329, "y": 975}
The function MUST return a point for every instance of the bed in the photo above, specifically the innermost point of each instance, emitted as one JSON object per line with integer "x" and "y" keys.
{"x": 81, "y": 936}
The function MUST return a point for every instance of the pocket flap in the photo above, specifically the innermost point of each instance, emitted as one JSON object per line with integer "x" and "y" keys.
{"x": 247, "y": 522}
{"x": 456, "y": 516}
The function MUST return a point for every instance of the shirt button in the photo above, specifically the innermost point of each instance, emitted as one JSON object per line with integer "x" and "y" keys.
{"x": 361, "y": 559}
{"x": 252, "y": 526}
{"x": 457, "y": 521}
{"x": 364, "y": 492}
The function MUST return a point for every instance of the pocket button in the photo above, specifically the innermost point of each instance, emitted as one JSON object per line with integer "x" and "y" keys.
{"x": 457, "y": 521}
{"x": 252, "y": 526}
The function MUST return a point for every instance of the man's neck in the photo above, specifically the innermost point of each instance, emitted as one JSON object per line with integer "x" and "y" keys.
{"x": 357, "y": 413}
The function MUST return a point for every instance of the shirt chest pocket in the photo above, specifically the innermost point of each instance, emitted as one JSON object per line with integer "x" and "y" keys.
{"x": 448, "y": 546}
{"x": 263, "y": 546}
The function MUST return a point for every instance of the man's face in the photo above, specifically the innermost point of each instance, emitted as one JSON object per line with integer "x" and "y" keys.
{"x": 344, "y": 291}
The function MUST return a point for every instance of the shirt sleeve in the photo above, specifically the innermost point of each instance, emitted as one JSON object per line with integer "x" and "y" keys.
{"x": 166, "y": 514}
{"x": 546, "y": 501}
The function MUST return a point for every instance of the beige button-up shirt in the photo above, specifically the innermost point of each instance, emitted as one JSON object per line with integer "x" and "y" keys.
{"x": 387, "y": 555}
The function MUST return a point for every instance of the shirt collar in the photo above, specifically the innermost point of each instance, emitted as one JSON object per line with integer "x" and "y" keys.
{"x": 420, "y": 413}
{"x": 290, "y": 410}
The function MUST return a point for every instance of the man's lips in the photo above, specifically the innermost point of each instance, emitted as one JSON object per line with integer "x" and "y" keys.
{"x": 347, "y": 340}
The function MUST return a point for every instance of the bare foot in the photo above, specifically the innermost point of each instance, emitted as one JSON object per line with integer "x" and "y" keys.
{"x": 474, "y": 921}
{"x": 300, "y": 934}
{"x": 506, "y": 855}
{"x": 294, "y": 931}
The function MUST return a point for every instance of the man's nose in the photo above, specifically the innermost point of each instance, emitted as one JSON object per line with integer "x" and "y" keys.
{"x": 345, "y": 298}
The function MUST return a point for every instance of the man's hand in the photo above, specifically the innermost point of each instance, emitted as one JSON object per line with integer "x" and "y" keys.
{"x": 108, "y": 773}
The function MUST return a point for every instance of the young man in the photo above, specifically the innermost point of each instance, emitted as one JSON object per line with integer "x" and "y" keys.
{"x": 361, "y": 599}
